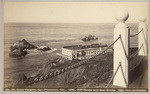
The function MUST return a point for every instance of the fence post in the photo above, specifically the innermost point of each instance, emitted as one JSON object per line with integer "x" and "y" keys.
{"x": 121, "y": 48}
{"x": 142, "y": 37}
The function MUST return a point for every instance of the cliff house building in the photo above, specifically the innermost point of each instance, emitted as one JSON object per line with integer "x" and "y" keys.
{"x": 81, "y": 52}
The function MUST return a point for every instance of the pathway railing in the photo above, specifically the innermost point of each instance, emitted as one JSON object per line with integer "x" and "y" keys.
{"x": 119, "y": 66}
{"x": 137, "y": 33}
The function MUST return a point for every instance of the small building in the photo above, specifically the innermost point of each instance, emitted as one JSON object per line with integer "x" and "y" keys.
{"x": 81, "y": 52}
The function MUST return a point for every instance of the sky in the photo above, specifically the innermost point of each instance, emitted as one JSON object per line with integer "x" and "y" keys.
{"x": 71, "y": 12}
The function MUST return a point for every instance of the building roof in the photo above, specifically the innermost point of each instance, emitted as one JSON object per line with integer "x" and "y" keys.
{"x": 81, "y": 47}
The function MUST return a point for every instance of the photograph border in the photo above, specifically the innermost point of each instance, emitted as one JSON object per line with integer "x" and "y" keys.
{"x": 29, "y": 92}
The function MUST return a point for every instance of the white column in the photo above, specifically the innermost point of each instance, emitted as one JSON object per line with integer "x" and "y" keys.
{"x": 121, "y": 29}
{"x": 142, "y": 37}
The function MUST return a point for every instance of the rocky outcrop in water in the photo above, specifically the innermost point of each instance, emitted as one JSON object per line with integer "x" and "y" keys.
{"x": 22, "y": 44}
{"x": 44, "y": 48}
{"x": 18, "y": 49}
{"x": 17, "y": 53}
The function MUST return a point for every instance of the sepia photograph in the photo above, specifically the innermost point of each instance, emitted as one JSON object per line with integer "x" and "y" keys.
{"x": 76, "y": 46}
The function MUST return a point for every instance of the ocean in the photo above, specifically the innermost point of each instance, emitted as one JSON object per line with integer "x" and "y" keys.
{"x": 54, "y": 35}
